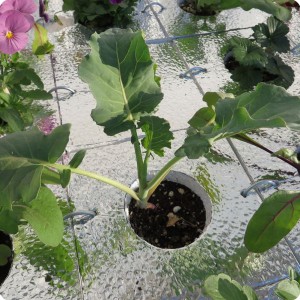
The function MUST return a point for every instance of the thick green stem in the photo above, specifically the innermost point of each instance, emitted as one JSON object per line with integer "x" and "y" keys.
{"x": 141, "y": 167}
{"x": 157, "y": 179}
{"x": 104, "y": 179}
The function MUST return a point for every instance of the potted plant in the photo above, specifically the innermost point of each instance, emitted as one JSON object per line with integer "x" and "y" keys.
{"x": 121, "y": 76}
{"x": 101, "y": 14}
{"x": 255, "y": 59}
{"x": 6, "y": 256}
{"x": 212, "y": 7}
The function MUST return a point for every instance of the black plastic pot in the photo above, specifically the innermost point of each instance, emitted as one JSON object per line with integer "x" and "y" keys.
{"x": 5, "y": 269}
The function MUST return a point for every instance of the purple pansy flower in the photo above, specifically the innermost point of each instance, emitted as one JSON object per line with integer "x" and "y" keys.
{"x": 26, "y": 7}
{"x": 13, "y": 28}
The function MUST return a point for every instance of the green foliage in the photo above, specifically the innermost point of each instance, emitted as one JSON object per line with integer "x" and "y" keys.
{"x": 273, "y": 220}
{"x": 99, "y": 14}
{"x": 268, "y": 6}
{"x": 272, "y": 35}
{"x": 158, "y": 134}
{"x": 254, "y": 60}
{"x": 222, "y": 287}
{"x": 120, "y": 58}
{"x": 289, "y": 289}
{"x": 267, "y": 107}
{"x": 23, "y": 160}
{"x": 5, "y": 254}
{"x": 19, "y": 87}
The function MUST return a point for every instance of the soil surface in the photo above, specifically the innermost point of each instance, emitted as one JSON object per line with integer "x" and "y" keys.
{"x": 4, "y": 270}
{"x": 176, "y": 219}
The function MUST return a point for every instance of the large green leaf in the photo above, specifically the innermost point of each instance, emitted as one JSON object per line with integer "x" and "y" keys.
{"x": 13, "y": 118}
{"x": 285, "y": 74}
{"x": 22, "y": 155}
{"x": 222, "y": 287}
{"x": 272, "y": 35}
{"x": 247, "y": 53}
{"x": 267, "y": 107}
{"x": 121, "y": 76}
{"x": 45, "y": 217}
{"x": 158, "y": 134}
{"x": 274, "y": 219}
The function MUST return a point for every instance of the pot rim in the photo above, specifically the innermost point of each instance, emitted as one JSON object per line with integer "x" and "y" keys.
{"x": 188, "y": 181}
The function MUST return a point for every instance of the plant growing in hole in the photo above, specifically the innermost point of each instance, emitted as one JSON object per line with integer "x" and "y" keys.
{"x": 223, "y": 287}
{"x": 121, "y": 76}
{"x": 254, "y": 60}
{"x": 101, "y": 14}
{"x": 211, "y": 7}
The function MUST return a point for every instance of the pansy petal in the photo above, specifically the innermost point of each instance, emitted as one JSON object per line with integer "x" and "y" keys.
{"x": 6, "y": 6}
{"x": 17, "y": 22}
{"x": 25, "y": 6}
{"x": 13, "y": 45}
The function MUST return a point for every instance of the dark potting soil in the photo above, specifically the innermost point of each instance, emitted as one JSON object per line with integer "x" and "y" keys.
{"x": 4, "y": 270}
{"x": 176, "y": 219}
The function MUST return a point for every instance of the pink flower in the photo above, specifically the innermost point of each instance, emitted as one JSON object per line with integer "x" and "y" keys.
{"x": 26, "y": 7}
{"x": 13, "y": 28}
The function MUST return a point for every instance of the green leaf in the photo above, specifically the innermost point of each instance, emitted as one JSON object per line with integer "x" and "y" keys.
{"x": 77, "y": 159}
{"x": 121, "y": 76}
{"x": 274, "y": 219}
{"x": 41, "y": 44}
{"x": 211, "y": 98}
{"x": 202, "y": 118}
{"x": 22, "y": 155}
{"x": 267, "y": 107}
{"x": 5, "y": 254}
{"x": 13, "y": 118}
{"x": 222, "y": 287}
{"x": 287, "y": 153}
{"x": 45, "y": 217}
{"x": 285, "y": 74}
{"x": 36, "y": 95}
{"x": 247, "y": 53}
{"x": 272, "y": 35}
{"x": 24, "y": 77}
{"x": 65, "y": 177}
{"x": 288, "y": 289}
{"x": 9, "y": 221}
{"x": 158, "y": 134}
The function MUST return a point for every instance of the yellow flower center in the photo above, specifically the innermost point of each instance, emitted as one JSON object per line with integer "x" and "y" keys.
{"x": 9, "y": 34}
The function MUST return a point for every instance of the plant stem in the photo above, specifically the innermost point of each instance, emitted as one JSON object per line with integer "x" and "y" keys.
{"x": 160, "y": 176}
{"x": 142, "y": 174}
{"x": 250, "y": 141}
{"x": 101, "y": 178}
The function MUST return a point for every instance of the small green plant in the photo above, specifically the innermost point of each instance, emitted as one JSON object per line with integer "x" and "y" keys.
{"x": 222, "y": 287}
{"x": 255, "y": 60}
{"x": 101, "y": 14}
